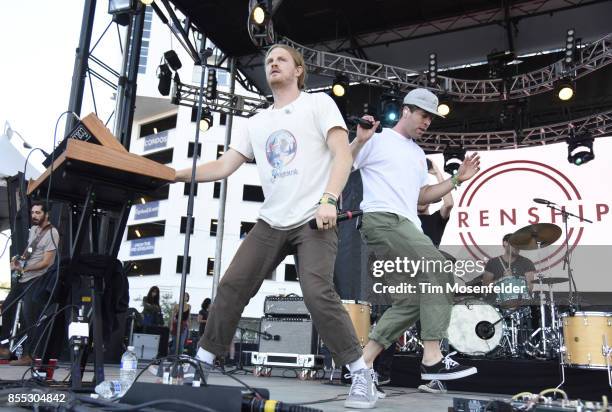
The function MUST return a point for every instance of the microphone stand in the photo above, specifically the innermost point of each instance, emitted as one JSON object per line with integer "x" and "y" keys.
{"x": 566, "y": 258}
{"x": 240, "y": 366}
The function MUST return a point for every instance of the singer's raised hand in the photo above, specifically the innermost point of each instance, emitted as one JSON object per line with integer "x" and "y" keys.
{"x": 363, "y": 135}
{"x": 469, "y": 167}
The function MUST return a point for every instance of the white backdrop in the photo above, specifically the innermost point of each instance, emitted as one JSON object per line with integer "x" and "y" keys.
{"x": 499, "y": 200}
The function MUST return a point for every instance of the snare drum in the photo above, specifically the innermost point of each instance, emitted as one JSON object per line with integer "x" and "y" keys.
{"x": 475, "y": 328}
{"x": 359, "y": 313}
{"x": 585, "y": 334}
{"x": 517, "y": 283}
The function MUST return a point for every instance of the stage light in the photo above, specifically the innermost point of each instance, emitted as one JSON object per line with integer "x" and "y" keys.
{"x": 172, "y": 59}
{"x": 432, "y": 73}
{"x": 121, "y": 6}
{"x": 211, "y": 85}
{"x": 137, "y": 233}
{"x": 453, "y": 157}
{"x": 444, "y": 108}
{"x": 390, "y": 108}
{"x": 165, "y": 79}
{"x": 565, "y": 89}
{"x": 206, "y": 121}
{"x": 340, "y": 86}
{"x": 259, "y": 14}
{"x": 580, "y": 148}
{"x": 146, "y": 2}
{"x": 570, "y": 47}
{"x": 259, "y": 23}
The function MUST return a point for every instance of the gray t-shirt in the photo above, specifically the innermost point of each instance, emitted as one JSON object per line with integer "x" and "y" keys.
{"x": 46, "y": 244}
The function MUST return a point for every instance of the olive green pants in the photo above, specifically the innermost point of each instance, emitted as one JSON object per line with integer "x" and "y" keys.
{"x": 420, "y": 292}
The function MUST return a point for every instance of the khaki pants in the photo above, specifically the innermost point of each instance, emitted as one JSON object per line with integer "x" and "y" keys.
{"x": 259, "y": 254}
{"x": 390, "y": 236}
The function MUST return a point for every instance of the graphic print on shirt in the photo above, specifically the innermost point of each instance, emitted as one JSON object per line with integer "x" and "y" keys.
{"x": 281, "y": 148}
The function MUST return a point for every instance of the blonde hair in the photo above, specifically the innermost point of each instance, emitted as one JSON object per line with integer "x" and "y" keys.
{"x": 298, "y": 59}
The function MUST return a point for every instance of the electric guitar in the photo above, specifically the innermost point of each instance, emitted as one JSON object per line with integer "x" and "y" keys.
{"x": 17, "y": 273}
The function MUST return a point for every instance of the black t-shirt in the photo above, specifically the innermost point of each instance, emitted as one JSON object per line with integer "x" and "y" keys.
{"x": 433, "y": 226}
{"x": 497, "y": 266}
{"x": 204, "y": 314}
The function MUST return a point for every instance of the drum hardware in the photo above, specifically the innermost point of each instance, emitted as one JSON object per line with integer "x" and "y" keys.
{"x": 410, "y": 341}
{"x": 566, "y": 258}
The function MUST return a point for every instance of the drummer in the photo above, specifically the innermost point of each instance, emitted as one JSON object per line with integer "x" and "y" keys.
{"x": 510, "y": 264}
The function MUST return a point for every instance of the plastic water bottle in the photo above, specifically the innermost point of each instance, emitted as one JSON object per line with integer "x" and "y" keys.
{"x": 127, "y": 374}
{"x": 129, "y": 368}
{"x": 110, "y": 389}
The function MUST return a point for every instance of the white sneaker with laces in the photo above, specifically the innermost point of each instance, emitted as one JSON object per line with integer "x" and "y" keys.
{"x": 363, "y": 393}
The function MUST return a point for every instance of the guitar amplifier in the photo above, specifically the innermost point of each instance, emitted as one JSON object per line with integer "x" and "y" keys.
{"x": 288, "y": 335}
{"x": 285, "y": 306}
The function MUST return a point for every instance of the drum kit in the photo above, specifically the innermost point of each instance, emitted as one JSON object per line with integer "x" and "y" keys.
{"x": 522, "y": 325}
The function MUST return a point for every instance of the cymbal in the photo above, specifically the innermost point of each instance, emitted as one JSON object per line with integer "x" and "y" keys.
{"x": 533, "y": 236}
{"x": 549, "y": 281}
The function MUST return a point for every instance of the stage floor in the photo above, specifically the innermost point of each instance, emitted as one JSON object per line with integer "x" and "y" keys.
{"x": 292, "y": 390}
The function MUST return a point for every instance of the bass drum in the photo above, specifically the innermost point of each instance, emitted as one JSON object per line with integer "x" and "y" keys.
{"x": 476, "y": 328}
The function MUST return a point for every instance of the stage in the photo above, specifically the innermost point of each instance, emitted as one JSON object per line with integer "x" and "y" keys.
{"x": 292, "y": 390}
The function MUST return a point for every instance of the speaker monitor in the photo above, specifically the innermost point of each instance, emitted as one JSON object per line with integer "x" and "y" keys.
{"x": 288, "y": 335}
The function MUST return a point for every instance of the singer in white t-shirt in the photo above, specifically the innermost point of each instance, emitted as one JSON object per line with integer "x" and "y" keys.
{"x": 394, "y": 174}
{"x": 303, "y": 160}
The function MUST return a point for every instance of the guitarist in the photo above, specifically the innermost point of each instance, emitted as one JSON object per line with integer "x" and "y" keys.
{"x": 26, "y": 271}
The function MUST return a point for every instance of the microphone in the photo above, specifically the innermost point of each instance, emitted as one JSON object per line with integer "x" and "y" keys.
{"x": 543, "y": 201}
{"x": 348, "y": 215}
{"x": 366, "y": 124}
{"x": 268, "y": 336}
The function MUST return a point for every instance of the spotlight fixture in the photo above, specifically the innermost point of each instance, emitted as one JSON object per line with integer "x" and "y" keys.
{"x": 580, "y": 148}
{"x": 444, "y": 106}
{"x": 432, "y": 73}
{"x": 206, "y": 121}
{"x": 172, "y": 59}
{"x": 570, "y": 47}
{"x": 453, "y": 156}
{"x": 259, "y": 14}
{"x": 565, "y": 89}
{"x": 340, "y": 85}
{"x": 259, "y": 23}
{"x": 165, "y": 79}
{"x": 211, "y": 85}
{"x": 390, "y": 108}
{"x": 121, "y": 6}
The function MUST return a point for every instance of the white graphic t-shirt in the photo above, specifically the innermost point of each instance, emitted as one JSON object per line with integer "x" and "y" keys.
{"x": 293, "y": 160}
{"x": 393, "y": 170}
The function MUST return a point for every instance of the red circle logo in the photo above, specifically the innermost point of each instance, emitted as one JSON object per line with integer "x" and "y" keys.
{"x": 526, "y": 172}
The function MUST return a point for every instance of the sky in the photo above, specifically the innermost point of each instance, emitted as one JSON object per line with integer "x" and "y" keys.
{"x": 38, "y": 43}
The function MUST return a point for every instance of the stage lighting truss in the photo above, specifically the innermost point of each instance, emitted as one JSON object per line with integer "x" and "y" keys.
{"x": 228, "y": 103}
{"x": 453, "y": 157}
{"x": 259, "y": 23}
{"x": 580, "y": 148}
{"x": 587, "y": 59}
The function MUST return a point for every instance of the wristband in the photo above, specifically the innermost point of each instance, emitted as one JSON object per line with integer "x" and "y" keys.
{"x": 456, "y": 183}
{"x": 328, "y": 201}
{"x": 331, "y": 194}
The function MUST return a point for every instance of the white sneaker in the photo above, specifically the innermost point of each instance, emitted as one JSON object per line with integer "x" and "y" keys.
{"x": 363, "y": 393}
{"x": 434, "y": 386}
{"x": 379, "y": 391}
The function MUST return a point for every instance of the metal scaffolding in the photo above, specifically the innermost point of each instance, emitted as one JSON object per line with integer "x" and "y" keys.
{"x": 590, "y": 58}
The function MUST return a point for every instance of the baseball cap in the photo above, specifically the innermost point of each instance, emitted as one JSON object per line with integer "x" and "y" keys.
{"x": 423, "y": 99}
